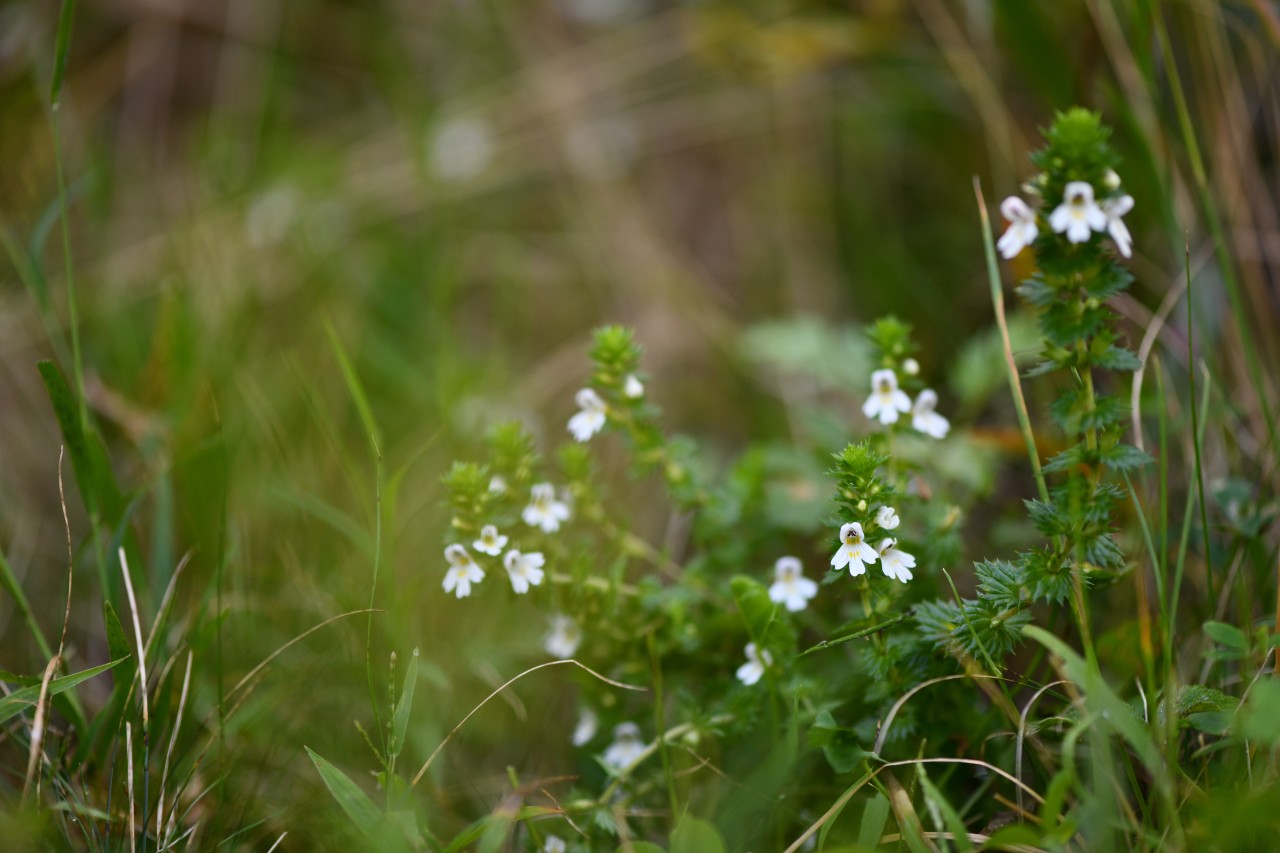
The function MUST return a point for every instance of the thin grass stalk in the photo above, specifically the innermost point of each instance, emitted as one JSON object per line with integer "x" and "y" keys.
{"x": 1197, "y": 437}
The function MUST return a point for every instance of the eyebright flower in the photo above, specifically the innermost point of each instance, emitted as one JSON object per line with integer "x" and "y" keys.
{"x": 1022, "y": 230}
{"x": 590, "y": 420}
{"x": 1111, "y": 180}
{"x": 925, "y": 419}
{"x": 886, "y": 400}
{"x": 1114, "y": 208}
{"x": 544, "y": 510}
{"x": 554, "y": 844}
{"x": 463, "y": 571}
{"x": 490, "y": 542}
{"x": 525, "y": 570}
{"x": 633, "y": 387}
{"x": 586, "y": 728}
{"x": 887, "y": 518}
{"x": 626, "y": 746}
{"x": 911, "y": 367}
{"x": 751, "y": 671}
{"x": 1079, "y": 214}
{"x": 853, "y": 552}
{"x": 497, "y": 485}
{"x": 790, "y": 587}
{"x": 895, "y": 564}
{"x": 564, "y": 638}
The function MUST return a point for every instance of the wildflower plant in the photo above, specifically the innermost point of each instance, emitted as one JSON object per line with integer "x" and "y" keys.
{"x": 1077, "y": 272}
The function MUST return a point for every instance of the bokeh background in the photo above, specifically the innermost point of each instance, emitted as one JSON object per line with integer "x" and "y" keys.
{"x": 459, "y": 192}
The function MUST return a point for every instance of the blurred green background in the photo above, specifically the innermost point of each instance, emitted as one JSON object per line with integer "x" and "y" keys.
{"x": 461, "y": 191}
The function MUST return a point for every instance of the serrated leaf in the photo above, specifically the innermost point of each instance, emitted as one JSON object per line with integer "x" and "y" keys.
{"x": 353, "y": 801}
{"x": 1125, "y": 457}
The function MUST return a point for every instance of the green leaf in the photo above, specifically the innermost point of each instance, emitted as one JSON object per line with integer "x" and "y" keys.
{"x": 695, "y": 836}
{"x": 1227, "y": 635}
{"x": 839, "y": 745}
{"x": 641, "y": 847}
{"x": 1259, "y": 717}
{"x": 400, "y": 718}
{"x": 1124, "y": 457}
{"x": 117, "y": 639}
{"x": 17, "y": 701}
{"x": 949, "y": 816}
{"x": 98, "y": 490}
{"x": 874, "y": 817}
{"x": 355, "y": 802}
{"x": 767, "y": 630}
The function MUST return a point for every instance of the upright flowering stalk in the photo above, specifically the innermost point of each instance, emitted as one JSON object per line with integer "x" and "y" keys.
{"x": 1081, "y": 201}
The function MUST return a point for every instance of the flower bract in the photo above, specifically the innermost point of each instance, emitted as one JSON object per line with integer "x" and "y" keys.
{"x": 490, "y": 541}
{"x": 463, "y": 571}
{"x": 886, "y": 400}
{"x": 590, "y": 420}
{"x": 790, "y": 587}
{"x": 853, "y": 551}
{"x": 895, "y": 563}
{"x": 1022, "y": 230}
{"x": 925, "y": 419}
{"x": 544, "y": 510}
{"x": 1079, "y": 215}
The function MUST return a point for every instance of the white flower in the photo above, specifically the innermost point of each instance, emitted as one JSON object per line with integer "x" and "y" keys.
{"x": 751, "y": 671}
{"x": 895, "y": 564}
{"x": 1078, "y": 214}
{"x": 590, "y": 420}
{"x": 1022, "y": 230}
{"x": 790, "y": 586}
{"x": 463, "y": 571}
{"x": 886, "y": 400}
{"x": 564, "y": 638}
{"x": 554, "y": 844}
{"x": 911, "y": 367}
{"x": 1111, "y": 180}
{"x": 1113, "y": 209}
{"x": 925, "y": 419}
{"x": 626, "y": 747}
{"x": 497, "y": 484}
{"x": 585, "y": 730}
{"x": 887, "y": 518}
{"x": 633, "y": 387}
{"x": 853, "y": 552}
{"x": 544, "y": 510}
{"x": 461, "y": 149}
{"x": 525, "y": 570}
{"x": 490, "y": 542}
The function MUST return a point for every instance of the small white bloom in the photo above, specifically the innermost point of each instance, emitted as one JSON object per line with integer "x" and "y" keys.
{"x": 564, "y": 638}
{"x": 911, "y": 367}
{"x": 1114, "y": 208}
{"x": 490, "y": 541}
{"x": 626, "y": 747}
{"x": 461, "y": 149}
{"x": 554, "y": 844}
{"x": 1022, "y": 230}
{"x": 544, "y": 510}
{"x": 895, "y": 564}
{"x": 590, "y": 420}
{"x": 790, "y": 587}
{"x": 497, "y": 484}
{"x": 925, "y": 419}
{"x": 1111, "y": 180}
{"x": 1079, "y": 214}
{"x": 853, "y": 552}
{"x": 633, "y": 387}
{"x": 887, "y": 518}
{"x": 886, "y": 400}
{"x": 463, "y": 571}
{"x": 757, "y": 660}
{"x": 586, "y": 728}
{"x": 525, "y": 570}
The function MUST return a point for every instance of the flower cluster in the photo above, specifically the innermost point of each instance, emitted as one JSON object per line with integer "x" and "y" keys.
{"x": 1079, "y": 216}
{"x": 887, "y": 401}
{"x": 855, "y": 553}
